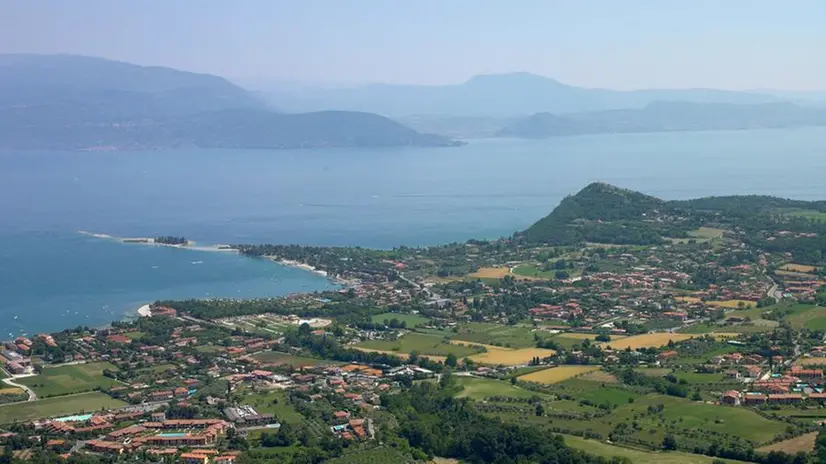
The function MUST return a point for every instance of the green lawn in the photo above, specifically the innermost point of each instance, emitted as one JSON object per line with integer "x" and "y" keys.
{"x": 274, "y": 402}
{"x": 55, "y": 381}
{"x": 424, "y": 344}
{"x": 53, "y": 407}
{"x": 134, "y": 335}
{"x": 412, "y": 320}
{"x": 605, "y": 450}
{"x": 481, "y": 388}
{"x": 513, "y": 336}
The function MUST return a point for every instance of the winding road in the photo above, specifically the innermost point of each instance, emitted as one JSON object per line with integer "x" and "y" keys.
{"x": 29, "y": 391}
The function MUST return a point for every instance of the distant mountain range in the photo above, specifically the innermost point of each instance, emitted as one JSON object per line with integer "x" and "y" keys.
{"x": 669, "y": 116}
{"x": 496, "y": 95}
{"x": 77, "y": 102}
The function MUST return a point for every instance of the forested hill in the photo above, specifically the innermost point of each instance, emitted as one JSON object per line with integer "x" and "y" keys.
{"x": 607, "y": 214}
{"x": 77, "y": 102}
{"x": 597, "y": 210}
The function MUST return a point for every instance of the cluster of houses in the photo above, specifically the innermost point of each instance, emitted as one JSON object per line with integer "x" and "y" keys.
{"x": 15, "y": 355}
{"x": 161, "y": 436}
{"x": 797, "y": 385}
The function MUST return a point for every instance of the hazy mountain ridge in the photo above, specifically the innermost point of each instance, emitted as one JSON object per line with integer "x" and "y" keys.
{"x": 495, "y": 95}
{"x": 669, "y": 116}
{"x": 77, "y": 102}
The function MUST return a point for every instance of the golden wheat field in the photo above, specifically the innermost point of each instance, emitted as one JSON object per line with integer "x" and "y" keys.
{"x": 805, "y": 443}
{"x": 688, "y": 299}
{"x": 10, "y": 391}
{"x": 798, "y": 268}
{"x": 557, "y": 374}
{"x": 732, "y": 304}
{"x": 652, "y": 340}
{"x": 724, "y": 335}
{"x": 600, "y": 376}
{"x": 507, "y": 356}
{"x": 491, "y": 273}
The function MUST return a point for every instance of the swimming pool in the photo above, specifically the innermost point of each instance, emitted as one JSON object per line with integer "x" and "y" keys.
{"x": 177, "y": 434}
{"x": 78, "y": 418}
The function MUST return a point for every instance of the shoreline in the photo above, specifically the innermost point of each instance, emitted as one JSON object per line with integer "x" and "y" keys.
{"x": 309, "y": 268}
{"x": 144, "y": 310}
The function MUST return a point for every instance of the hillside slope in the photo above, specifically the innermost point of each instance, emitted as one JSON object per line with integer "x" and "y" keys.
{"x": 607, "y": 214}
{"x": 598, "y": 213}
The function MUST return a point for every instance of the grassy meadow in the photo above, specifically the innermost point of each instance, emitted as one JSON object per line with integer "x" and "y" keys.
{"x": 64, "y": 380}
{"x": 60, "y": 406}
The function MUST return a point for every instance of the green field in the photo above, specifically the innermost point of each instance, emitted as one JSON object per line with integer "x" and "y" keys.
{"x": 694, "y": 377}
{"x": 159, "y": 369}
{"x": 568, "y": 342}
{"x": 532, "y": 270}
{"x": 412, "y": 320}
{"x": 755, "y": 326}
{"x": 617, "y": 396}
{"x": 512, "y": 336}
{"x": 598, "y": 448}
{"x": 692, "y": 424}
{"x": 807, "y": 316}
{"x": 53, "y": 407}
{"x": 277, "y": 357}
{"x": 424, "y": 344}
{"x": 480, "y": 388}
{"x": 707, "y": 233}
{"x": 739, "y": 421}
{"x": 381, "y": 455}
{"x": 274, "y": 402}
{"x": 135, "y": 335}
{"x": 64, "y": 380}
{"x": 809, "y": 214}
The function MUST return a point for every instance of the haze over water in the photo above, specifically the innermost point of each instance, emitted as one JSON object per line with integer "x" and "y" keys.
{"x": 51, "y": 277}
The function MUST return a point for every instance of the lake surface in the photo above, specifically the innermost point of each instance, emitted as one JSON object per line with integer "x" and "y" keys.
{"x": 52, "y": 277}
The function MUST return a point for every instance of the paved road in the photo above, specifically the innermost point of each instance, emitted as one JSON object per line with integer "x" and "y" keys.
{"x": 29, "y": 391}
{"x": 774, "y": 292}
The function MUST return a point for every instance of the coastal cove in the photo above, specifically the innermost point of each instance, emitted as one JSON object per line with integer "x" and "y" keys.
{"x": 92, "y": 281}
{"x": 51, "y": 277}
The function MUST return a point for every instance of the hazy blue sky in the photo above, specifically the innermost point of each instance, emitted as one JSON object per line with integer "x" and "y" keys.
{"x": 735, "y": 44}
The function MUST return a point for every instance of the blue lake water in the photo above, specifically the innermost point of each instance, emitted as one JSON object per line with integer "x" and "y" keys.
{"x": 52, "y": 277}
